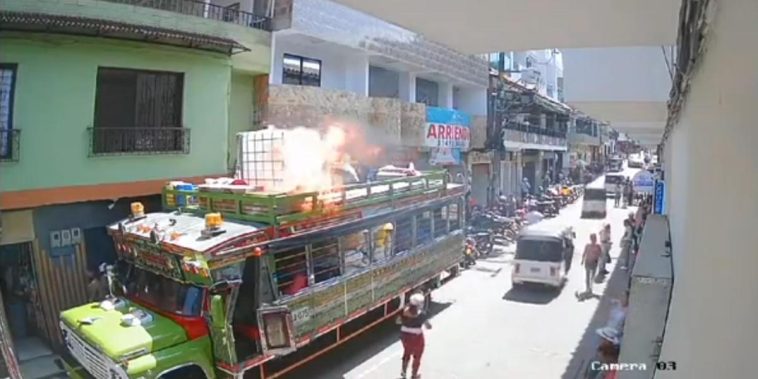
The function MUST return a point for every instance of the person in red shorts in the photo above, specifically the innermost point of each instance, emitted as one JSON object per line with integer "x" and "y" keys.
{"x": 412, "y": 320}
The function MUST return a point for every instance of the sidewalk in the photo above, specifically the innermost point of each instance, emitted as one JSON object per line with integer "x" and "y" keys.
{"x": 615, "y": 285}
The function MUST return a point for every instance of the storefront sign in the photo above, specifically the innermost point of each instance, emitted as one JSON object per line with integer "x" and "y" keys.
{"x": 643, "y": 182}
{"x": 659, "y": 198}
{"x": 447, "y": 128}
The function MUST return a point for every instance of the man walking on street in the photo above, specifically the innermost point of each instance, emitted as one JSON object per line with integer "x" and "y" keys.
{"x": 590, "y": 257}
{"x": 617, "y": 195}
{"x": 412, "y": 321}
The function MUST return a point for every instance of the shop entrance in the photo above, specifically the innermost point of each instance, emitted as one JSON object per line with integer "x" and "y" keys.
{"x": 23, "y": 311}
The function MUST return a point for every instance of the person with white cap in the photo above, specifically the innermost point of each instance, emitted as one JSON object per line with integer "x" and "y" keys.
{"x": 412, "y": 320}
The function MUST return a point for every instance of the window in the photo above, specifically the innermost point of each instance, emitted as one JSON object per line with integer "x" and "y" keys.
{"x": 529, "y": 62}
{"x": 325, "y": 260}
{"x": 403, "y": 234}
{"x": 301, "y": 71}
{"x": 291, "y": 271}
{"x": 232, "y": 12}
{"x": 383, "y": 235}
{"x": 138, "y": 111}
{"x": 440, "y": 222}
{"x": 424, "y": 227}
{"x": 163, "y": 293}
{"x": 356, "y": 251}
{"x": 453, "y": 215}
{"x": 7, "y": 89}
{"x": 427, "y": 92}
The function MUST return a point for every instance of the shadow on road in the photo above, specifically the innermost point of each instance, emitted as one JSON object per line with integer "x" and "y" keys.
{"x": 345, "y": 358}
{"x": 585, "y": 351}
{"x": 531, "y": 294}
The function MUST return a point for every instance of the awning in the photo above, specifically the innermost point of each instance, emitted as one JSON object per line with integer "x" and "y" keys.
{"x": 39, "y": 22}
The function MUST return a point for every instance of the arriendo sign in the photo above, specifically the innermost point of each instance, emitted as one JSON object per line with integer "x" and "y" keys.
{"x": 445, "y": 135}
{"x": 447, "y": 128}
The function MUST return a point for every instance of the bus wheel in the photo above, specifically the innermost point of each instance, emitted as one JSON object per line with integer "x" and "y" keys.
{"x": 455, "y": 271}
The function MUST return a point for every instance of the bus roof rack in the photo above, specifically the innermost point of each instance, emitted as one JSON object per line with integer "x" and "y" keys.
{"x": 249, "y": 204}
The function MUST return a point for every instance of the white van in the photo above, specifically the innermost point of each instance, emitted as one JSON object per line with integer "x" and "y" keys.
{"x": 543, "y": 256}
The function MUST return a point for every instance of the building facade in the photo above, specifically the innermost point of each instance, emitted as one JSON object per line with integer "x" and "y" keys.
{"x": 529, "y": 131}
{"x": 103, "y": 102}
{"x": 332, "y": 64}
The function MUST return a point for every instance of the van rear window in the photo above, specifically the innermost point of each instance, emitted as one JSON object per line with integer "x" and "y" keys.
{"x": 539, "y": 250}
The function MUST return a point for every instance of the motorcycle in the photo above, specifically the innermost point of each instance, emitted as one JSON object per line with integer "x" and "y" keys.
{"x": 483, "y": 241}
{"x": 469, "y": 253}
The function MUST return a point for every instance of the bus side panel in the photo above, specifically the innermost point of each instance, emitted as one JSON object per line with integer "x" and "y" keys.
{"x": 331, "y": 303}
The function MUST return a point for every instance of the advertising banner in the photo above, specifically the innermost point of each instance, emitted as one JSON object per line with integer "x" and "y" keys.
{"x": 447, "y": 132}
{"x": 447, "y": 128}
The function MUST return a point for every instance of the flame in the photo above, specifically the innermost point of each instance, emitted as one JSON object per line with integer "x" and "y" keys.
{"x": 309, "y": 156}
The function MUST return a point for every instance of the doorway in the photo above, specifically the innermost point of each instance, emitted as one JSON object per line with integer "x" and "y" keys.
{"x": 23, "y": 309}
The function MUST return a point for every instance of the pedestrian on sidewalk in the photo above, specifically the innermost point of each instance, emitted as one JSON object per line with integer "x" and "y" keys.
{"x": 617, "y": 195}
{"x": 626, "y": 244}
{"x": 628, "y": 193}
{"x": 412, "y": 320}
{"x": 605, "y": 242}
{"x": 590, "y": 257}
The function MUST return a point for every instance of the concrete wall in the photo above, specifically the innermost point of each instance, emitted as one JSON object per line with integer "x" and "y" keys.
{"x": 258, "y": 41}
{"x": 711, "y": 167}
{"x": 54, "y": 106}
{"x": 241, "y": 111}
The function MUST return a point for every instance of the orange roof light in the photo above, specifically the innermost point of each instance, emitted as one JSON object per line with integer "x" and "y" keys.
{"x": 138, "y": 210}
{"x": 213, "y": 220}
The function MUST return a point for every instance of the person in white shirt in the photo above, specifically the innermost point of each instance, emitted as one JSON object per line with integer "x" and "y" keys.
{"x": 533, "y": 216}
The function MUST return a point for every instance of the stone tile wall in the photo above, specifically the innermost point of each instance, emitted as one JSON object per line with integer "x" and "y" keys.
{"x": 386, "y": 121}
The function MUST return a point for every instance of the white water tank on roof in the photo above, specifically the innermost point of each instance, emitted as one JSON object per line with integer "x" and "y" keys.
{"x": 259, "y": 159}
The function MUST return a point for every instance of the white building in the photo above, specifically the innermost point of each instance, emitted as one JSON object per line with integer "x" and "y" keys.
{"x": 541, "y": 70}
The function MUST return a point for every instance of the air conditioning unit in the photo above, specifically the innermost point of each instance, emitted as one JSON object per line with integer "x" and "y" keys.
{"x": 530, "y": 75}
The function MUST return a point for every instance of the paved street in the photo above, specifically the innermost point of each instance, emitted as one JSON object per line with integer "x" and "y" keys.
{"x": 484, "y": 329}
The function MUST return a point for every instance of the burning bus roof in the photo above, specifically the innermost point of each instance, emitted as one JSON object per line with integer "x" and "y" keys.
{"x": 183, "y": 230}
{"x": 254, "y": 218}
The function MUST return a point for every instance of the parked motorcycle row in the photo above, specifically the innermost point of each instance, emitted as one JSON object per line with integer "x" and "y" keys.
{"x": 501, "y": 223}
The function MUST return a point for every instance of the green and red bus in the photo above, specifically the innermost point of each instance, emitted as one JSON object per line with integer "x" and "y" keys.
{"x": 226, "y": 282}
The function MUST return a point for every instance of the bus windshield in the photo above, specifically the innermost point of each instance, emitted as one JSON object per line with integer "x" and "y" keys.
{"x": 161, "y": 292}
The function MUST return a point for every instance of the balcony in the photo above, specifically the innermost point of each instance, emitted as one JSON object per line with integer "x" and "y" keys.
{"x": 138, "y": 141}
{"x": 523, "y": 136}
{"x": 202, "y": 9}
{"x": 9, "y": 145}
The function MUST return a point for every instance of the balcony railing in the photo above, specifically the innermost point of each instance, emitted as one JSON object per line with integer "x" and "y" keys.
{"x": 139, "y": 140}
{"x": 9, "y": 145}
{"x": 535, "y": 130}
{"x": 205, "y": 10}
